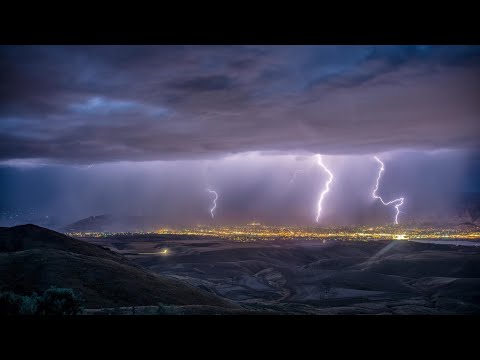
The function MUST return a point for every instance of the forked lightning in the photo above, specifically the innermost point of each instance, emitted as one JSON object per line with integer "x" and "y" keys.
{"x": 375, "y": 196}
{"x": 327, "y": 185}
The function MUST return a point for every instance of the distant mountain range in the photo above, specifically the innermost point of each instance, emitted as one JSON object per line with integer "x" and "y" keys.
{"x": 111, "y": 223}
{"x": 466, "y": 210}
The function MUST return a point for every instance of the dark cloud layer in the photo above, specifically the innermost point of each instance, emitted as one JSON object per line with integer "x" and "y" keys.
{"x": 84, "y": 104}
{"x": 204, "y": 83}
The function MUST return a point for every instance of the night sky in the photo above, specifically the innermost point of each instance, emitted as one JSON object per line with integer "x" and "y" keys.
{"x": 143, "y": 130}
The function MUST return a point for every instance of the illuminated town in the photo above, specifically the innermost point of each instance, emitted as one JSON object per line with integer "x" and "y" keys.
{"x": 257, "y": 232}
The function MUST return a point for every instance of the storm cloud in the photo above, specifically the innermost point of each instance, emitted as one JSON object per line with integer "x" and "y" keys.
{"x": 145, "y": 130}
{"x": 89, "y": 104}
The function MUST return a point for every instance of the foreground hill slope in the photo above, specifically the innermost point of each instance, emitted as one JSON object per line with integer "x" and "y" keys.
{"x": 33, "y": 258}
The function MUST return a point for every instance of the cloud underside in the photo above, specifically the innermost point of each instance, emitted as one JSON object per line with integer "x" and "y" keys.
{"x": 88, "y": 104}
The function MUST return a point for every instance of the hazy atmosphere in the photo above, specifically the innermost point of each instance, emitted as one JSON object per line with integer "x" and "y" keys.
{"x": 146, "y": 130}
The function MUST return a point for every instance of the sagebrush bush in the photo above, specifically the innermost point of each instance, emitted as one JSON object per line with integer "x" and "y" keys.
{"x": 163, "y": 309}
{"x": 59, "y": 301}
{"x": 29, "y": 305}
{"x": 54, "y": 301}
{"x": 10, "y": 303}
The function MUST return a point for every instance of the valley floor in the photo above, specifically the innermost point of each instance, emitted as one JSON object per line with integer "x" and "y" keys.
{"x": 315, "y": 277}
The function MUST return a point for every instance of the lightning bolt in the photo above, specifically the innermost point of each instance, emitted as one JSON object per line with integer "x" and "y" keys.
{"x": 327, "y": 185}
{"x": 214, "y": 201}
{"x": 375, "y": 196}
{"x": 294, "y": 176}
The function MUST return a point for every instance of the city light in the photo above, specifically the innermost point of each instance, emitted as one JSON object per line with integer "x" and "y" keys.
{"x": 257, "y": 232}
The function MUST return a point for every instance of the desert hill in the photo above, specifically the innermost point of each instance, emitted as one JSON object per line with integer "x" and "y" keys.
{"x": 33, "y": 258}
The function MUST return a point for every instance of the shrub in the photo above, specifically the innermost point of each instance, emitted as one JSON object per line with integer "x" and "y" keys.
{"x": 54, "y": 301}
{"x": 29, "y": 305}
{"x": 163, "y": 309}
{"x": 59, "y": 301}
{"x": 10, "y": 303}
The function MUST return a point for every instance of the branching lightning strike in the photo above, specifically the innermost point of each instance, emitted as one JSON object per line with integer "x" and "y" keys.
{"x": 399, "y": 200}
{"x": 214, "y": 201}
{"x": 327, "y": 185}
